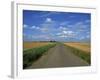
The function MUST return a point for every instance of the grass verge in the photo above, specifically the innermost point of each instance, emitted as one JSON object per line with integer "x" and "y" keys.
{"x": 82, "y": 54}
{"x": 31, "y": 55}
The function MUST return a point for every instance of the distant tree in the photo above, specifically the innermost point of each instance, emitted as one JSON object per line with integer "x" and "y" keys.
{"x": 52, "y": 41}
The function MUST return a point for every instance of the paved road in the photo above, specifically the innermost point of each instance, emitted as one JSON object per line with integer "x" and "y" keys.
{"x": 58, "y": 56}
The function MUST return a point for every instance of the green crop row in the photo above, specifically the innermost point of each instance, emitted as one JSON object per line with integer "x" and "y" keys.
{"x": 82, "y": 54}
{"x": 31, "y": 55}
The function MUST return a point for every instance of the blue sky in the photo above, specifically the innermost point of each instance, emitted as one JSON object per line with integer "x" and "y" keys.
{"x": 59, "y": 26}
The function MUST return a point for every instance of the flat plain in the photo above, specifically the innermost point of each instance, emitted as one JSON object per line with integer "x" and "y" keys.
{"x": 79, "y": 45}
{"x": 59, "y": 55}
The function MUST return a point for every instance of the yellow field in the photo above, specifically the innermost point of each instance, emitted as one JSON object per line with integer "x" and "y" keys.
{"x": 28, "y": 45}
{"x": 82, "y": 46}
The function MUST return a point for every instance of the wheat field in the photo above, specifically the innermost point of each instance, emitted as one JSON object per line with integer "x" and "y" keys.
{"x": 28, "y": 45}
{"x": 82, "y": 46}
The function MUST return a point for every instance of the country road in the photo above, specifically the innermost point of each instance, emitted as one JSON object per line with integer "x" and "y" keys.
{"x": 58, "y": 56}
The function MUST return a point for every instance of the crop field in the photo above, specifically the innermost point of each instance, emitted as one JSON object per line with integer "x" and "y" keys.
{"x": 80, "y": 49}
{"x": 28, "y": 45}
{"x": 34, "y": 52}
{"x": 82, "y": 46}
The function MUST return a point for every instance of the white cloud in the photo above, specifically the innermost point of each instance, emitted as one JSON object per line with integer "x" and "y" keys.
{"x": 63, "y": 36}
{"x": 66, "y": 34}
{"x": 48, "y": 20}
{"x": 35, "y": 27}
{"x": 47, "y": 25}
{"x": 63, "y": 28}
{"x": 25, "y": 26}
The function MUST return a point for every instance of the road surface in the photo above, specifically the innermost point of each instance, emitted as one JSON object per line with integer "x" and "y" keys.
{"x": 58, "y": 56}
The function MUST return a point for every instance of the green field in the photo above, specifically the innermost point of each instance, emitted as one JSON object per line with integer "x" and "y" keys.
{"x": 33, "y": 54}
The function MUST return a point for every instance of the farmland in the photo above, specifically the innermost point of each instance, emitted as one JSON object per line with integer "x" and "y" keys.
{"x": 80, "y": 49}
{"x": 61, "y": 55}
{"x": 82, "y": 46}
{"x": 28, "y": 45}
{"x": 52, "y": 54}
{"x": 34, "y": 52}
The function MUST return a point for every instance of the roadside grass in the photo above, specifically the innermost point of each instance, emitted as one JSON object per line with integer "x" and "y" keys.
{"x": 82, "y": 54}
{"x": 31, "y": 55}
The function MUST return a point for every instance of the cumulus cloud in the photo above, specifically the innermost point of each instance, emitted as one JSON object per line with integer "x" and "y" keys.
{"x": 25, "y": 26}
{"x": 66, "y": 34}
{"x": 35, "y": 27}
{"x": 48, "y": 25}
{"x": 48, "y": 20}
{"x": 29, "y": 27}
{"x": 62, "y": 28}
